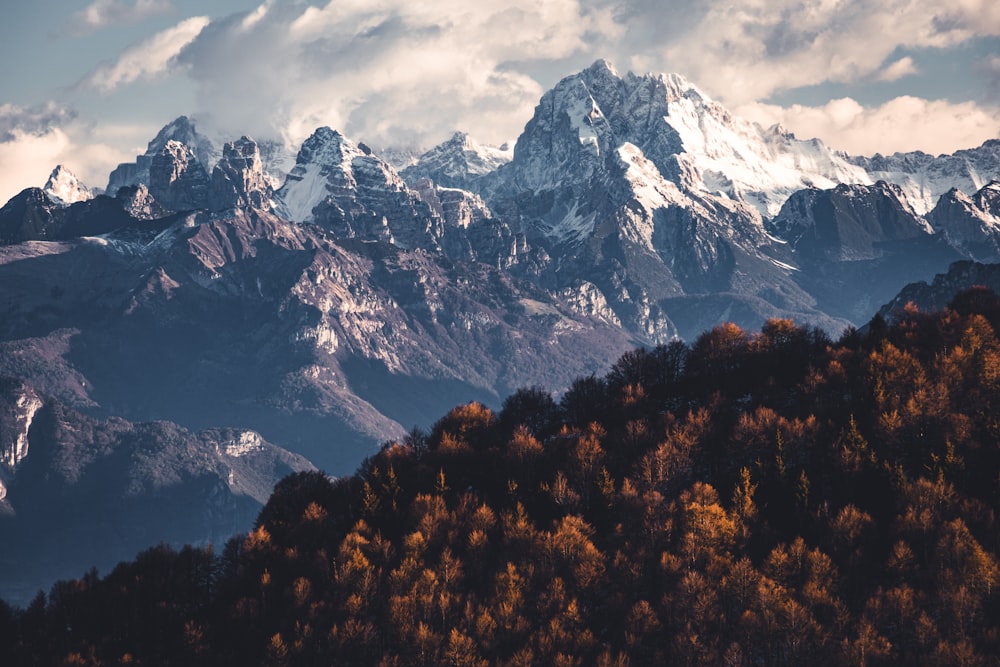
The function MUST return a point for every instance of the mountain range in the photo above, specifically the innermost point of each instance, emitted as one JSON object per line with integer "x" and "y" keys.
{"x": 332, "y": 299}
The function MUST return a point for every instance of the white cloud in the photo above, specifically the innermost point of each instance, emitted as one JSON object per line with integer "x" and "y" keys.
{"x": 254, "y": 17}
{"x": 27, "y": 159}
{"x": 33, "y": 140}
{"x": 146, "y": 59}
{"x": 36, "y": 120}
{"x": 902, "y": 124}
{"x": 749, "y": 49}
{"x": 395, "y": 71}
{"x": 103, "y": 13}
{"x": 385, "y": 71}
{"x": 899, "y": 69}
{"x": 402, "y": 72}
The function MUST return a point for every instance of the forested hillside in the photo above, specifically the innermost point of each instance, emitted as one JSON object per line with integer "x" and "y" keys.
{"x": 768, "y": 498}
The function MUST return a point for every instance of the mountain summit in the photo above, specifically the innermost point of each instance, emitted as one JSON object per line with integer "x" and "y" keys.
{"x": 693, "y": 141}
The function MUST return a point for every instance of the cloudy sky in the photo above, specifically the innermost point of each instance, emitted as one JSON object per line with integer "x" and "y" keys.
{"x": 87, "y": 83}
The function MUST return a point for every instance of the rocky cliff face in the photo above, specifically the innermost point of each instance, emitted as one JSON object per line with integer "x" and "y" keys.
{"x": 344, "y": 187}
{"x": 181, "y": 130}
{"x": 347, "y": 189}
{"x": 847, "y": 223}
{"x": 246, "y": 318}
{"x": 238, "y": 180}
{"x": 17, "y": 411}
{"x": 177, "y": 180}
{"x": 970, "y": 224}
{"x": 81, "y": 492}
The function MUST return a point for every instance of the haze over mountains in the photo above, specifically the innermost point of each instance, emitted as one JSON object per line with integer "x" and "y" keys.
{"x": 331, "y": 301}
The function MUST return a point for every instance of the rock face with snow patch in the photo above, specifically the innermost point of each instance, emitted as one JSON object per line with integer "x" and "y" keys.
{"x": 137, "y": 202}
{"x": 970, "y": 224}
{"x": 847, "y": 223}
{"x": 181, "y": 130}
{"x": 354, "y": 193}
{"x": 925, "y": 178}
{"x": 458, "y": 162}
{"x": 19, "y": 403}
{"x": 177, "y": 180}
{"x": 345, "y": 188}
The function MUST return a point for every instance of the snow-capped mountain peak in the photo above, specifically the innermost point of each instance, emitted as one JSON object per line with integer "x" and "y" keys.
{"x": 691, "y": 139}
{"x": 458, "y": 162}
{"x": 323, "y": 165}
{"x": 64, "y": 188}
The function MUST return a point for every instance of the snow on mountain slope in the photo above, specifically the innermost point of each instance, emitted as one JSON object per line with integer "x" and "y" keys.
{"x": 739, "y": 159}
{"x": 692, "y": 140}
{"x": 323, "y": 167}
{"x": 458, "y": 162}
{"x": 925, "y": 178}
{"x": 345, "y": 188}
{"x": 64, "y": 188}
{"x": 971, "y": 224}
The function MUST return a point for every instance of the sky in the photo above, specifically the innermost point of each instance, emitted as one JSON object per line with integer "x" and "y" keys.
{"x": 88, "y": 83}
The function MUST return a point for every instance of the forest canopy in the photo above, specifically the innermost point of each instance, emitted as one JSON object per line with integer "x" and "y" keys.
{"x": 753, "y": 498}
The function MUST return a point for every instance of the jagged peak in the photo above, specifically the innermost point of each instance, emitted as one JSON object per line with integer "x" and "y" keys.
{"x": 64, "y": 188}
{"x": 179, "y": 151}
{"x": 678, "y": 86}
{"x": 326, "y": 145}
{"x": 325, "y": 134}
{"x": 602, "y": 68}
{"x": 244, "y": 147}
{"x": 181, "y": 124}
{"x": 457, "y": 160}
{"x": 956, "y": 193}
{"x": 182, "y": 129}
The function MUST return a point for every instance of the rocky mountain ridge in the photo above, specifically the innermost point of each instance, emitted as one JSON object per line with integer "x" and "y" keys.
{"x": 632, "y": 209}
